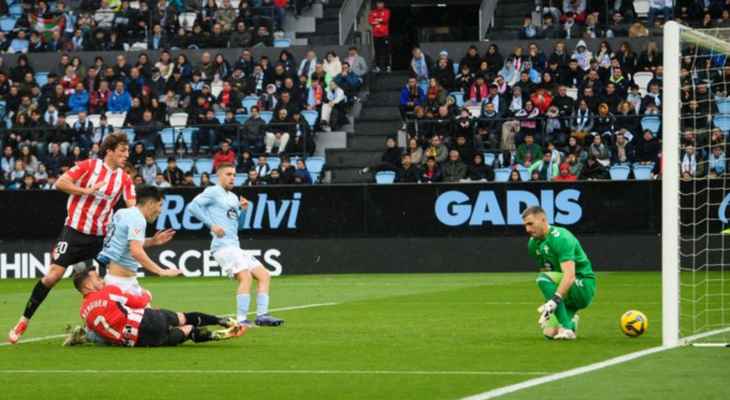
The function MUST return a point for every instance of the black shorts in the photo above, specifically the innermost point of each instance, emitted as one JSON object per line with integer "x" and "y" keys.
{"x": 74, "y": 247}
{"x": 156, "y": 329}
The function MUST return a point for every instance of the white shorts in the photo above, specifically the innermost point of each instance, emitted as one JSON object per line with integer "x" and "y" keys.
{"x": 233, "y": 260}
{"x": 128, "y": 285}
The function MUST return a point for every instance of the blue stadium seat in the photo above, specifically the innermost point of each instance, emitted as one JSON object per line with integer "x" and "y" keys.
{"x": 282, "y": 42}
{"x": 220, "y": 116}
{"x": 214, "y": 179}
{"x": 167, "y": 135}
{"x": 187, "y": 134}
{"x": 384, "y": 177}
{"x": 161, "y": 163}
{"x": 524, "y": 173}
{"x": 196, "y": 179}
{"x": 502, "y": 174}
{"x": 241, "y": 118}
{"x": 273, "y": 162}
{"x": 130, "y": 134}
{"x": 456, "y": 69}
{"x": 185, "y": 164}
{"x": 311, "y": 117}
{"x": 7, "y": 24}
{"x": 642, "y": 172}
{"x": 41, "y": 78}
{"x": 459, "y": 97}
{"x": 267, "y": 116}
{"x": 619, "y": 172}
{"x": 240, "y": 179}
{"x": 489, "y": 158}
{"x": 651, "y": 123}
{"x": 314, "y": 165}
{"x": 722, "y": 122}
{"x": 723, "y": 104}
{"x": 249, "y": 102}
{"x": 204, "y": 165}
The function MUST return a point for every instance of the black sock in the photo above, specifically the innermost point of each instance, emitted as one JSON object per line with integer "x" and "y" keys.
{"x": 201, "y": 319}
{"x": 40, "y": 291}
{"x": 199, "y": 335}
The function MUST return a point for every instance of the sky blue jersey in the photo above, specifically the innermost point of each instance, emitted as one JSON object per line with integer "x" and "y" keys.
{"x": 127, "y": 224}
{"x": 217, "y": 206}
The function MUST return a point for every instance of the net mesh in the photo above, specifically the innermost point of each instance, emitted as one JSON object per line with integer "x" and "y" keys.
{"x": 704, "y": 187}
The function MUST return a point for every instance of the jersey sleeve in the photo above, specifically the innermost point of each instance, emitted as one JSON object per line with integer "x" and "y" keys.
{"x": 137, "y": 227}
{"x": 128, "y": 189}
{"x": 564, "y": 244}
{"x": 80, "y": 169}
{"x": 199, "y": 206}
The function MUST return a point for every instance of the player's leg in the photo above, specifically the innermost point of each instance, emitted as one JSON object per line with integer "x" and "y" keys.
{"x": 233, "y": 263}
{"x": 70, "y": 249}
{"x": 197, "y": 319}
{"x": 243, "y": 296}
{"x": 263, "y": 279}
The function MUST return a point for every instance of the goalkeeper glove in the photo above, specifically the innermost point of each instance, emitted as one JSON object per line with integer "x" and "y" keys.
{"x": 547, "y": 309}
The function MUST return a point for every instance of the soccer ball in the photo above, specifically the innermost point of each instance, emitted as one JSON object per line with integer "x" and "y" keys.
{"x": 633, "y": 323}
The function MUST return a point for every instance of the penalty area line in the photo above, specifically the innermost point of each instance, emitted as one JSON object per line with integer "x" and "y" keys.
{"x": 301, "y": 307}
{"x": 269, "y": 371}
{"x": 494, "y": 393}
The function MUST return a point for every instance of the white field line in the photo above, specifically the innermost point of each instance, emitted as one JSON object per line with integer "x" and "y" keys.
{"x": 264, "y": 371}
{"x": 494, "y": 393}
{"x": 302, "y": 307}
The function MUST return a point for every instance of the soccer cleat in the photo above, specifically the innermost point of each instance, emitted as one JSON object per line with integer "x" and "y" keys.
{"x": 268, "y": 320}
{"x": 17, "y": 331}
{"x": 228, "y": 333}
{"x": 76, "y": 336}
{"x": 247, "y": 323}
{"x": 565, "y": 334}
{"x": 228, "y": 322}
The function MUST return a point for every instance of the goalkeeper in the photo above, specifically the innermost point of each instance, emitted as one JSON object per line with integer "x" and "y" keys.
{"x": 566, "y": 279}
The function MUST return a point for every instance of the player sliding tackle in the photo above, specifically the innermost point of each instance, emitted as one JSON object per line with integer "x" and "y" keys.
{"x": 566, "y": 279}
{"x": 218, "y": 208}
{"x": 121, "y": 318}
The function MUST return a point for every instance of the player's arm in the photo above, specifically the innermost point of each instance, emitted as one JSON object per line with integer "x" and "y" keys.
{"x": 130, "y": 196}
{"x": 136, "y": 249}
{"x": 568, "y": 268}
{"x": 67, "y": 183}
{"x": 199, "y": 209}
{"x": 160, "y": 238}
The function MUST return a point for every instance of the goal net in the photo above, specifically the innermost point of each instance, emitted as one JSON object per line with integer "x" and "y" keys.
{"x": 696, "y": 176}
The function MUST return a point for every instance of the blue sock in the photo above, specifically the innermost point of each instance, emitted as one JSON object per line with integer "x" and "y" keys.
{"x": 262, "y": 304}
{"x": 242, "y": 302}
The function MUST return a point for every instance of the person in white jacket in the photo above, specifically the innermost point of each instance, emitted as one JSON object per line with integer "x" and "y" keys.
{"x": 335, "y": 96}
{"x": 332, "y": 64}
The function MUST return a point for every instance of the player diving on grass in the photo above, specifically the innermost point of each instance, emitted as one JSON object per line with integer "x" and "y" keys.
{"x": 219, "y": 209}
{"x": 124, "y": 319}
{"x": 566, "y": 280}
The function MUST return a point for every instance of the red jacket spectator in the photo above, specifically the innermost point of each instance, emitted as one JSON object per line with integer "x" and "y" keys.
{"x": 565, "y": 175}
{"x": 224, "y": 155}
{"x": 542, "y": 100}
{"x": 281, "y": 3}
{"x": 478, "y": 93}
{"x": 98, "y": 100}
{"x": 379, "y": 19}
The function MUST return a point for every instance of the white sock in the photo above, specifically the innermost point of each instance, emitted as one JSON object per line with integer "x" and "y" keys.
{"x": 262, "y": 304}
{"x": 242, "y": 302}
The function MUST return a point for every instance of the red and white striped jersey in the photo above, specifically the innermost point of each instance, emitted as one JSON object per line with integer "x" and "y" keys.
{"x": 114, "y": 315}
{"x": 91, "y": 214}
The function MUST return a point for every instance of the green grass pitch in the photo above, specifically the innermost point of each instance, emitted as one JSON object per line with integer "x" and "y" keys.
{"x": 417, "y": 336}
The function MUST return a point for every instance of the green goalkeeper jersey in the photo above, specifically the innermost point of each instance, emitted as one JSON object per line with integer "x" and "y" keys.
{"x": 559, "y": 245}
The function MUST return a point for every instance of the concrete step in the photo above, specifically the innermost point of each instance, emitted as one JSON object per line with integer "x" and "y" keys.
{"x": 350, "y": 175}
{"x": 367, "y": 142}
{"x": 389, "y": 82}
{"x": 389, "y": 98}
{"x": 328, "y": 26}
{"x": 375, "y": 128}
{"x": 331, "y": 12}
{"x": 352, "y": 158}
{"x": 321, "y": 40}
{"x": 376, "y": 113}
{"x": 300, "y": 25}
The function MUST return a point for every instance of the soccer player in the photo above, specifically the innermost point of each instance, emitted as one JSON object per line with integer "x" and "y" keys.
{"x": 121, "y": 318}
{"x": 123, "y": 251}
{"x": 566, "y": 280}
{"x": 94, "y": 187}
{"x": 218, "y": 208}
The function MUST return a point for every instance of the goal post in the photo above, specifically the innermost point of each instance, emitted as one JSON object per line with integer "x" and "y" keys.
{"x": 670, "y": 184}
{"x": 696, "y": 207}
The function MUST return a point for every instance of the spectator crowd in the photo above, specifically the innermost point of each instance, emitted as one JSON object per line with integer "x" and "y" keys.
{"x": 114, "y": 25}
{"x": 254, "y": 106}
